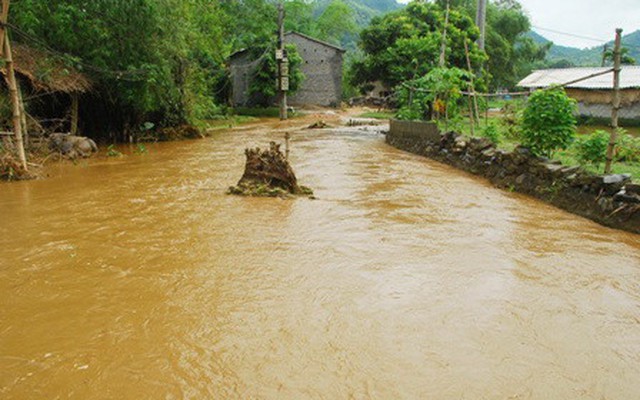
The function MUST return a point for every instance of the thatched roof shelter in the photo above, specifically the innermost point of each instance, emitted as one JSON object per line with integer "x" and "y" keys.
{"x": 47, "y": 73}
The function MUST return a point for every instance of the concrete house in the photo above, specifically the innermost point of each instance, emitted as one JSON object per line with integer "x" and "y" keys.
{"x": 594, "y": 95}
{"x": 321, "y": 66}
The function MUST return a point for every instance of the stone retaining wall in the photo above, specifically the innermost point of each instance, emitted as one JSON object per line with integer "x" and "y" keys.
{"x": 611, "y": 200}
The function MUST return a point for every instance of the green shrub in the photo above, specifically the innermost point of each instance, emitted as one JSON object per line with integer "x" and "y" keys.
{"x": 113, "y": 152}
{"x": 548, "y": 121}
{"x": 491, "y": 132}
{"x": 592, "y": 149}
{"x": 628, "y": 147}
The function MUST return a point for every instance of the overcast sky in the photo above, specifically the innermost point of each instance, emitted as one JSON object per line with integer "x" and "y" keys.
{"x": 597, "y": 19}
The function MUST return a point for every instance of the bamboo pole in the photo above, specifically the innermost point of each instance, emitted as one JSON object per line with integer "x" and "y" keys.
{"x": 472, "y": 87}
{"x": 74, "y": 113}
{"x": 10, "y": 77}
{"x": 23, "y": 116}
{"x": 3, "y": 21}
{"x": 616, "y": 102}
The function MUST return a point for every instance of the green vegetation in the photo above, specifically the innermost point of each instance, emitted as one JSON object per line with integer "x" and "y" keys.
{"x": 378, "y": 114}
{"x": 404, "y": 45}
{"x": 262, "y": 85}
{"x": 435, "y": 95}
{"x": 548, "y": 121}
{"x": 592, "y": 149}
{"x": 113, "y": 152}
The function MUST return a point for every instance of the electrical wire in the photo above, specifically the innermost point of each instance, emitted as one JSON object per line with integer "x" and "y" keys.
{"x": 602, "y": 42}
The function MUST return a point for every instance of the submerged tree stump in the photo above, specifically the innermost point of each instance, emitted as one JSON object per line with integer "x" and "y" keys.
{"x": 268, "y": 173}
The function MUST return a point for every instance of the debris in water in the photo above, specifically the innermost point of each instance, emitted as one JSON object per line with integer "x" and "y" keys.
{"x": 268, "y": 174}
{"x": 319, "y": 125}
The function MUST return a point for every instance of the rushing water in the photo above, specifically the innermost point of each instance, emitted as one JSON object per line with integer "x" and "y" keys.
{"x": 138, "y": 278}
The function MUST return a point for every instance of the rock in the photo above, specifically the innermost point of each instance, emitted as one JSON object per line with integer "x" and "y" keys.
{"x": 71, "y": 146}
{"x": 616, "y": 178}
{"x": 625, "y": 197}
{"x": 521, "y": 179}
{"x": 554, "y": 170}
{"x": 632, "y": 188}
{"x": 480, "y": 144}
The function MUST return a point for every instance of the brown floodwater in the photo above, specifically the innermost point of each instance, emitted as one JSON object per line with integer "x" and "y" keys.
{"x": 138, "y": 278}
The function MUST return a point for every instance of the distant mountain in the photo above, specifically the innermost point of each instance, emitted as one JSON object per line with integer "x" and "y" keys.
{"x": 562, "y": 56}
{"x": 365, "y": 10}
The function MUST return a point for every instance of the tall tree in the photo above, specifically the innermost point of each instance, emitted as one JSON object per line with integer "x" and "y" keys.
{"x": 405, "y": 44}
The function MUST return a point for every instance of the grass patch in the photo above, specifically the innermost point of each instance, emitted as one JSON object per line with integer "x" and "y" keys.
{"x": 261, "y": 112}
{"x": 378, "y": 115}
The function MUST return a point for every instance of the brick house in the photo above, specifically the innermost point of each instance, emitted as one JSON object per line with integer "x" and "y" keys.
{"x": 321, "y": 66}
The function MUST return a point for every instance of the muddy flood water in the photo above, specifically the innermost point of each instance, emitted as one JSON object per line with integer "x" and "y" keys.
{"x": 138, "y": 278}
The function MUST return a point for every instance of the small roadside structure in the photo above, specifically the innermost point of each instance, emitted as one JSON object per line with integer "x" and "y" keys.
{"x": 51, "y": 83}
{"x": 594, "y": 95}
{"x": 321, "y": 66}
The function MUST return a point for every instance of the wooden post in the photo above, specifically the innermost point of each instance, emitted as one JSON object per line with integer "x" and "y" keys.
{"x": 286, "y": 145}
{"x": 3, "y": 20}
{"x": 10, "y": 77}
{"x": 23, "y": 116}
{"x": 281, "y": 64}
{"x": 616, "y": 102}
{"x": 74, "y": 114}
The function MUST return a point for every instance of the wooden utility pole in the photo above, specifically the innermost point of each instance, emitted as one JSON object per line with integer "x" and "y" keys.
{"x": 10, "y": 78}
{"x": 481, "y": 18}
{"x": 283, "y": 64}
{"x": 616, "y": 101}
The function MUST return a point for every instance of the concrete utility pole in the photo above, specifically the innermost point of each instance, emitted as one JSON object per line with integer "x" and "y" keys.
{"x": 616, "y": 101}
{"x": 481, "y": 18}
{"x": 443, "y": 45}
{"x": 283, "y": 64}
{"x": 10, "y": 77}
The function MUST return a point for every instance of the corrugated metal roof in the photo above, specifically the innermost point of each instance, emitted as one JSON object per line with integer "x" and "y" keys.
{"x": 629, "y": 78}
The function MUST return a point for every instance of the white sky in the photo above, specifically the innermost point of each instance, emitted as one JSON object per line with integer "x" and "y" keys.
{"x": 596, "y": 19}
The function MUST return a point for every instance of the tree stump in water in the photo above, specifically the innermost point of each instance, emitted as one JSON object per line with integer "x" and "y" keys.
{"x": 268, "y": 173}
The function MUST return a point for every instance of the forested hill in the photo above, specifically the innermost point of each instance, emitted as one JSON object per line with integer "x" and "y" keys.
{"x": 563, "y": 56}
{"x": 365, "y": 10}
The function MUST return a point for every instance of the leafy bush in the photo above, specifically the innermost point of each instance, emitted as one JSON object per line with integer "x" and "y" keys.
{"x": 548, "y": 121}
{"x": 628, "y": 147}
{"x": 491, "y": 132}
{"x": 592, "y": 149}
{"x": 438, "y": 92}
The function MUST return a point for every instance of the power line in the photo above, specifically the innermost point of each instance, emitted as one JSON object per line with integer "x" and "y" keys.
{"x": 600, "y": 41}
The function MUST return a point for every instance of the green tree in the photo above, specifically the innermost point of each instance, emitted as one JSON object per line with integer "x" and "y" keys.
{"x": 263, "y": 85}
{"x": 512, "y": 55}
{"x": 548, "y": 121}
{"x": 405, "y": 45}
{"x": 438, "y": 92}
{"x": 335, "y": 22}
{"x": 150, "y": 60}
